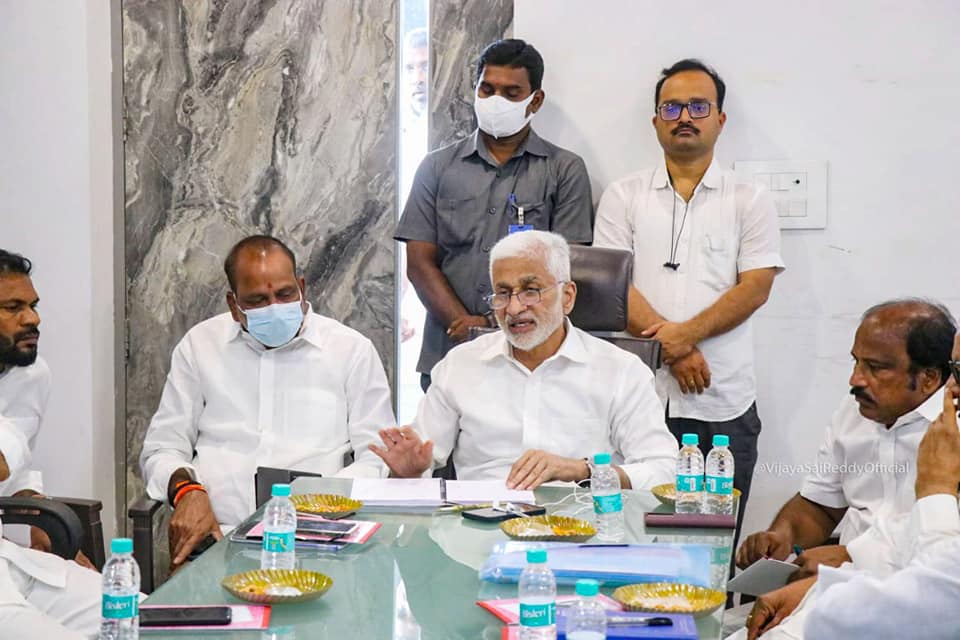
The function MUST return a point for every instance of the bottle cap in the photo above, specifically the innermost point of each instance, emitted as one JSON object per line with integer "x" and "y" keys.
{"x": 601, "y": 458}
{"x": 536, "y": 556}
{"x": 587, "y": 587}
{"x": 281, "y": 490}
{"x": 121, "y": 545}
{"x": 690, "y": 439}
{"x": 721, "y": 441}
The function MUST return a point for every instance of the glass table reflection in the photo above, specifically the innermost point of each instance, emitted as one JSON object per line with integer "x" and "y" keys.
{"x": 416, "y": 578}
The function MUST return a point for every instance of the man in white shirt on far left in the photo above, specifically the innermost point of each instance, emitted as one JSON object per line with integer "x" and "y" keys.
{"x": 41, "y": 596}
{"x": 533, "y": 402}
{"x": 270, "y": 383}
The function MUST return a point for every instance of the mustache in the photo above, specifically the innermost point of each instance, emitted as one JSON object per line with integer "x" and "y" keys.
{"x": 683, "y": 127}
{"x": 520, "y": 317}
{"x": 859, "y": 392}
{"x": 29, "y": 333}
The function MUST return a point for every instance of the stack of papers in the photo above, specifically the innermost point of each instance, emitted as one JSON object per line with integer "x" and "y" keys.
{"x": 426, "y": 494}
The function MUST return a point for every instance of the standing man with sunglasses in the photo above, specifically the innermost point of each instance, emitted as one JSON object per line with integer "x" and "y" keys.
{"x": 706, "y": 251}
{"x": 468, "y": 195}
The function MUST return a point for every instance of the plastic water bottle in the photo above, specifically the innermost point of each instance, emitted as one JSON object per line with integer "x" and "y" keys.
{"x": 607, "y": 499}
{"x": 719, "y": 490}
{"x": 538, "y": 598}
{"x": 689, "y": 475}
{"x": 587, "y": 618}
{"x": 121, "y": 593}
{"x": 279, "y": 529}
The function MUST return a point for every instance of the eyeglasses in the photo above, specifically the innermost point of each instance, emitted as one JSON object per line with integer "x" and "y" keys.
{"x": 671, "y": 110}
{"x": 955, "y": 369}
{"x": 527, "y": 297}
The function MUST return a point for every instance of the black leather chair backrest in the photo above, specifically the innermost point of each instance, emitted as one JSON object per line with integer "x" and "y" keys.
{"x": 603, "y": 278}
{"x": 57, "y": 520}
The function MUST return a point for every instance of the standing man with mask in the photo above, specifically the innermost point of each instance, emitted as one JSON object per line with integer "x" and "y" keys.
{"x": 268, "y": 384}
{"x": 470, "y": 194}
{"x": 706, "y": 251}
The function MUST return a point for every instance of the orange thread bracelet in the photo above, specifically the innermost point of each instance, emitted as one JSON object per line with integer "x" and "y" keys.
{"x": 185, "y": 490}
{"x": 172, "y": 493}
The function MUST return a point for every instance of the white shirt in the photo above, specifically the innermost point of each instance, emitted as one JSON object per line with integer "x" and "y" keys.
{"x": 230, "y": 405}
{"x": 589, "y": 397}
{"x": 916, "y": 600}
{"x": 863, "y": 465}
{"x": 45, "y": 567}
{"x": 729, "y": 229}
{"x": 23, "y": 400}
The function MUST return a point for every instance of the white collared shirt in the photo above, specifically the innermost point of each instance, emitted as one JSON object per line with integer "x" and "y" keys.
{"x": 23, "y": 400}
{"x": 230, "y": 405}
{"x": 863, "y": 465}
{"x": 729, "y": 229}
{"x": 915, "y": 598}
{"x": 589, "y": 397}
{"x": 45, "y": 567}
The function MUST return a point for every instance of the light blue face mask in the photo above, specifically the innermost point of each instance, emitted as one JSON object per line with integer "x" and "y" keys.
{"x": 276, "y": 324}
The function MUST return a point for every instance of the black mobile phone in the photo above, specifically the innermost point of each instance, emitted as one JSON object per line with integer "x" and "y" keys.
{"x": 202, "y": 546}
{"x": 185, "y": 616}
{"x": 490, "y": 515}
{"x": 326, "y": 528}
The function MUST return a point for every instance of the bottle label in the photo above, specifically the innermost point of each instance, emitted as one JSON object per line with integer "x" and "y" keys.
{"x": 119, "y": 607}
{"x": 538, "y": 615}
{"x": 277, "y": 541}
{"x": 689, "y": 484}
{"x": 720, "y": 485}
{"x": 608, "y": 504}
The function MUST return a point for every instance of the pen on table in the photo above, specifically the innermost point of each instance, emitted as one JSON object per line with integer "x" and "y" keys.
{"x": 797, "y": 550}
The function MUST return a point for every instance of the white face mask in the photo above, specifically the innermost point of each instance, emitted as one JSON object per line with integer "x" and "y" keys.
{"x": 500, "y": 117}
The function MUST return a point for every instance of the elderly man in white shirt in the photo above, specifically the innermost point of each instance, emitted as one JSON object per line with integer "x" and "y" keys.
{"x": 706, "y": 251}
{"x": 916, "y": 598}
{"x": 268, "y": 384}
{"x": 866, "y": 467}
{"x": 530, "y": 403}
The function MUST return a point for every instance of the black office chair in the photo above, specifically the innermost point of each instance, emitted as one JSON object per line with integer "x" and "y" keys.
{"x": 151, "y": 518}
{"x": 56, "y": 519}
{"x": 603, "y": 278}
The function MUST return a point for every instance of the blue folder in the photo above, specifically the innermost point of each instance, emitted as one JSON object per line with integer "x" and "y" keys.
{"x": 608, "y": 564}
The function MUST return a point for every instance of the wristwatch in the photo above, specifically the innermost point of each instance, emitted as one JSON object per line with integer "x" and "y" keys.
{"x": 491, "y": 319}
{"x": 590, "y": 468}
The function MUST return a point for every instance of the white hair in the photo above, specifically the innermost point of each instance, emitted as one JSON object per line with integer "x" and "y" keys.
{"x": 551, "y": 248}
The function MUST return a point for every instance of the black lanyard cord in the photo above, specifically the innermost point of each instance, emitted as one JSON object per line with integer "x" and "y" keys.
{"x": 675, "y": 243}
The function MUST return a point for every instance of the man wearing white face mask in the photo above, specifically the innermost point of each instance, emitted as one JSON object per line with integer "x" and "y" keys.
{"x": 470, "y": 194}
{"x": 268, "y": 384}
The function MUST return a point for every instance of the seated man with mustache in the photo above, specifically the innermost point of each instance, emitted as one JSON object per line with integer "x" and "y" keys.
{"x": 866, "y": 464}
{"x": 528, "y": 404}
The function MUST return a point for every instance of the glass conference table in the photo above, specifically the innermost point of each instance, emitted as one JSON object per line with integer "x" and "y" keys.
{"x": 416, "y": 578}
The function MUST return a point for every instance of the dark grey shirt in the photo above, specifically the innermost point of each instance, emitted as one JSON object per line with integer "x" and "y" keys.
{"x": 460, "y": 202}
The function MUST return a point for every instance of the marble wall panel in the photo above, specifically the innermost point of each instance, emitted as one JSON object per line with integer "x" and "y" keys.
{"x": 459, "y": 31}
{"x": 241, "y": 117}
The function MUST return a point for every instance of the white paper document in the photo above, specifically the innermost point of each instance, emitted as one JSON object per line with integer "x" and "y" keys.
{"x": 477, "y": 491}
{"x": 397, "y": 492}
{"x": 761, "y": 577}
{"x": 423, "y": 493}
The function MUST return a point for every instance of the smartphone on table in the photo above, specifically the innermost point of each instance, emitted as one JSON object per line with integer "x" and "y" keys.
{"x": 185, "y": 616}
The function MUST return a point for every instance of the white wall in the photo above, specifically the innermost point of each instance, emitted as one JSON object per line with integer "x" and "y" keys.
{"x": 869, "y": 86}
{"x": 56, "y": 207}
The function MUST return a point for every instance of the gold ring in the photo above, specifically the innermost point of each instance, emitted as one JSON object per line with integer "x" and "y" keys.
{"x": 749, "y": 618}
